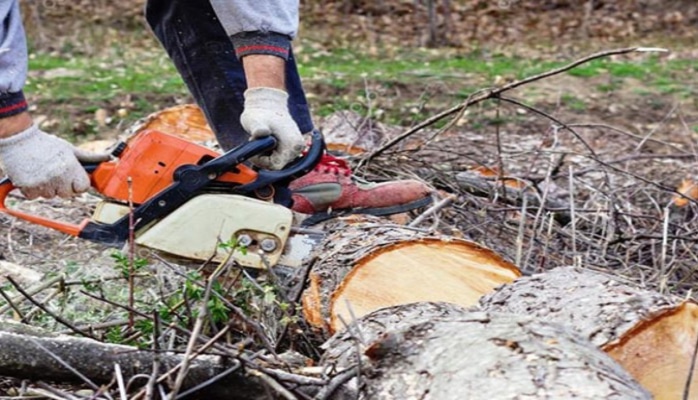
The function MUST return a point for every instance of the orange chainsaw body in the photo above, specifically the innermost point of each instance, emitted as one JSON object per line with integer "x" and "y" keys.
{"x": 162, "y": 174}
{"x": 147, "y": 164}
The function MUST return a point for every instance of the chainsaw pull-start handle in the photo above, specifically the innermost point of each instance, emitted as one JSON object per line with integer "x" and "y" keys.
{"x": 6, "y": 187}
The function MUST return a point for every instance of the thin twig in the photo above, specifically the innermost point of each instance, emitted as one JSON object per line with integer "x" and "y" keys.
{"x": 272, "y": 383}
{"x": 120, "y": 382}
{"x": 433, "y": 209}
{"x": 33, "y": 291}
{"x": 495, "y": 92}
{"x": 337, "y": 381}
{"x": 47, "y": 311}
{"x": 131, "y": 253}
{"x": 208, "y": 382}
{"x": 150, "y": 386}
{"x": 198, "y": 326}
{"x": 689, "y": 378}
{"x": 11, "y": 304}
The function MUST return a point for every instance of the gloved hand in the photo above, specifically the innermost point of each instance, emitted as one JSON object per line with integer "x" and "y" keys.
{"x": 43, "y": 165}
{"x": 266, "y": 113}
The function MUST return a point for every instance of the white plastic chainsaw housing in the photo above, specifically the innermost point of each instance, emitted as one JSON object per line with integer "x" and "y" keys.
{"x": 196, "y": 229}
{"x": 107, "y": 212}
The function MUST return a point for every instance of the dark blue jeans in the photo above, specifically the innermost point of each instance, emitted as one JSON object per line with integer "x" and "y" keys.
{"x": 205, "y": 58}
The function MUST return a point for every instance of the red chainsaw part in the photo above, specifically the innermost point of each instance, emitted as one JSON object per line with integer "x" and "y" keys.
{"x": 149, "y": 162}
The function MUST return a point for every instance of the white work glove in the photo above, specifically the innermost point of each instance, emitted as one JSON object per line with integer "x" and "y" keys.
{"x": 43, "y": 165}
{"x": 266, "y": 113}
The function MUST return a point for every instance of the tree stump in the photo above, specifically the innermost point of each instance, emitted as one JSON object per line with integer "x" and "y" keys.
{"x": 652, "y": 336}
{"x": 366, "y": 265}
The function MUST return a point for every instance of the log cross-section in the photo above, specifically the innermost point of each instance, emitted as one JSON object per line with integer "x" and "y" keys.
{"x": 364, "y": 266}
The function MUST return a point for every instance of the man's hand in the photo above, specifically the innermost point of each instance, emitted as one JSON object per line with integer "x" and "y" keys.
{"x": 266, "y": 113}
{"x": 43, "y": 165}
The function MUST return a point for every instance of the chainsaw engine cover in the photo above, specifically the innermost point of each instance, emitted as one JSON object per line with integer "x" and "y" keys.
{"x": 196, "y": 229}
{"x": 149, "y": 160}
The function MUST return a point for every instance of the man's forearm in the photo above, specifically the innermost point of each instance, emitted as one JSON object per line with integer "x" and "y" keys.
{"x": 264, "y": 71}
{"x": 14, "y": 124}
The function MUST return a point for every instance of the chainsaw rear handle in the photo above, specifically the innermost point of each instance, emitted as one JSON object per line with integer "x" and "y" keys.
{"x": 6, "y": 187}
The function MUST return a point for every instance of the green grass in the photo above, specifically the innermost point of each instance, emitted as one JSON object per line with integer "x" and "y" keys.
{"x": 68, "y": 89}
{"x": 74, "y": 86}
{"x": 345, "y": 65}
{"x": 574, "y": 102}
{"x": 101, "y": 79}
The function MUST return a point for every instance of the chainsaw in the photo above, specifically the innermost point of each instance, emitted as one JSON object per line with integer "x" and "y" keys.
{"x": 184, "y": 199}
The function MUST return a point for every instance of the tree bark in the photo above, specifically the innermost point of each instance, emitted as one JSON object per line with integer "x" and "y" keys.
{"x": 433, "y": 351}
{"x": 30, "y": 353}
{"x": 370, "y": 264}
{"x": 651, "y": 335}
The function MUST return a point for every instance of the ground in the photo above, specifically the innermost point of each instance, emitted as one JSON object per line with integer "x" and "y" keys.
{"x": 622, "y": 139}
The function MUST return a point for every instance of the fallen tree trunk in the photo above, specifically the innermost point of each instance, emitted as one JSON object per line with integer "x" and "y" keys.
{"x": 653, "y": 336}
{"x": 436, "y": 351}
{"x": 370, "y": 264}
{"x": 30, "y": 353}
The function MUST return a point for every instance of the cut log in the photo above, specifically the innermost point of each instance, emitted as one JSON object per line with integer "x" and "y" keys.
{"x": 651, "y": 335}
{"x": 450, "y": 354}
{"x": 370, "y": 264}
{"x": 186, "y": 121}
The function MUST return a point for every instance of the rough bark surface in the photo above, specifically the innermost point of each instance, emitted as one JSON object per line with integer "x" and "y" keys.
{"x": 595, "y": 305}
{"x": 651, "y": 335}
{"x": 343, "y": 349}
{"x": 442, "y": 272}
{"x": 481, "y": 355}
{"x": 29, "y": 353}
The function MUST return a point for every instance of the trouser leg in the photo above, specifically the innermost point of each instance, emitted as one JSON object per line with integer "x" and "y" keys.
{"x": 205, "y": 58}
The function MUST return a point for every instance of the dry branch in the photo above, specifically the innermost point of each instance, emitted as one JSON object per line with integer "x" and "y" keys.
{"x": 483, "y": 186}
{"x": 493, "y": 93}
{"x": 30, "y": 353}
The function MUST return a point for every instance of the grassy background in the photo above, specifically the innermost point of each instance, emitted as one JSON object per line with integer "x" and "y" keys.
{"x": 66, "y": 89}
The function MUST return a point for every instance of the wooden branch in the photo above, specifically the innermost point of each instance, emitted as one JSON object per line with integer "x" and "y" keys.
{"x": 495, "y": 92}
{"x": 29, "y": 353}
{"x": 483, "y": 186}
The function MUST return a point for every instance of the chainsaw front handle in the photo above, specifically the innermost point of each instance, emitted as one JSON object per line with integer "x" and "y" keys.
{"x": 295, "y": 170}
{"x": 6, "y": 187}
